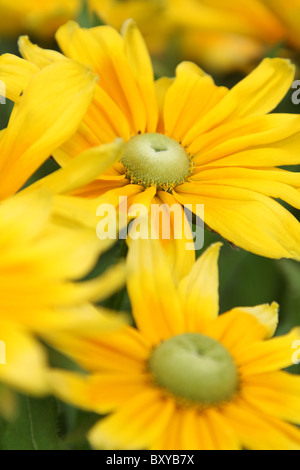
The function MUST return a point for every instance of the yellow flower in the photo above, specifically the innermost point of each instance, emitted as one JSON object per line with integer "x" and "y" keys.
{"x": 235, "y": 35}
{"x": 185, "y": 378}
{"x": 43, "y": 246}
{"x": 40, "y": 18}
{"x": 41, "y": 258}
{"x": 152, "y": 19}
{"x": 188, "y": 141}
{"x": 222, "y": 36}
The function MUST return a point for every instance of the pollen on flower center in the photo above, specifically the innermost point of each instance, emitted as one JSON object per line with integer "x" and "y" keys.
{"x": 195, "y": 368}
{"x": 155, "y": 160}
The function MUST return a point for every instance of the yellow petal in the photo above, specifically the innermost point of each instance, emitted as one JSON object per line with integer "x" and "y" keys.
{"x": 227, "y": 328}
{"x": 103, "y": 49}
{"x": 199, "y": 290}
{"x": 118, "y": 351}
{"x": 26, "y": 362}
{"x": 49, "y": 112}
{"x": 223, "y": 435}
{"x": 151, "y": 289}
{"x": 161, "y": 87}
{"x": 276, "y": 394}
{"x": 192, "y": 95}
{"x": 179, "y": 246}
{"x": 136, "y": 425}
{"x": 16, "y": 73}
{"x": 274, "y": 354}
{"x": 99, "y": 393}
{"x": 140, "y": 63}
{"x": 258, "y": 431}
{"x": 82, "y": 170}
{"x": 263, "y": 89}
{"x": 257, "y": 94}
{"x": 266, "y": 314}
{"x": 248, "y": 219}
{"x": 36, "y": 55}
{"x": 276, "y": 183}
{"x": 260, "y": 141}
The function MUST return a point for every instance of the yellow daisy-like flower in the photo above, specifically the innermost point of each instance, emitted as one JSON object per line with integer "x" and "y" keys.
{"x": 44, "y": 247}
{"x": 232, "y": 35}
{"x": 222, "y": 36}
{"x": 152, "y": 18}
{"x": 185, "y": 378}
{"x": 188, "y": 141}
{"x": 40, "y": 18}
{"x": 41, "y": 261}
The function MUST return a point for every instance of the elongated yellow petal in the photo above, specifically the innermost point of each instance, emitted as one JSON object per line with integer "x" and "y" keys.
{"x": 26, "y": 362}
{"x": 99, "y": 288}
{"x": 192, "y": 95}
{"x": 82, "y": 170}
{"x": 36, "y": 55}
{"x": 48, "y": 114}
{"x": 258, "y": 431}
{"x": 199, "y": 290}
{"x": 123, "y": 430}
{"x": 16, "y": 73}
{"x": 123, "y": 351}
{"x": 161, "y": 87}
{"x": 223, "y": 435}
{"x": 248, "y": 219}
{"x": 140, "y": 63}
{"x": 151, "y": 288}
{"x": 179, "y": 246}
{"x": 100, "y": 393}
{"x": 227, "y": 329}
{"x": 103, "y": 49}
{"x": 260, "y": 141}
{"x": 263, "y": 89}
{"x": 36, "y": 206}
{"x": 275, "y": 392}
{"x": 276, "y": 353}
{"x": 258, "y": 94}
{"x": 272, "y": 401}
{"x": 266, "y": 314}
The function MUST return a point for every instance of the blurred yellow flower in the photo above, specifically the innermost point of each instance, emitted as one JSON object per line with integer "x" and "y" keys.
{"x": 47, "y": 114}
{"x": 221, "y": 36}
{"x": 41, "y": 18}
{"x": 151, "y": 17}
{"x": 41, "y": 258}
{"x": 186, "y": 378}
{"x": 188, "y": 141}
{"x": 43, "y": 248}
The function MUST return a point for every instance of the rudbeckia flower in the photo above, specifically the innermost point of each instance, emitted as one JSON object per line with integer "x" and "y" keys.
{"x": 226, "y": 36}
{"x": 152, "y": 18}
{"x": 222, "y": 36}
{"x": 47, "y": 113}
{"x": 188, "y": 141}
{"x": 42, "y": 261}
{"x": 44, "y": 249}
{"x": 40, "y": 18}
{"x": 185, "y": 378}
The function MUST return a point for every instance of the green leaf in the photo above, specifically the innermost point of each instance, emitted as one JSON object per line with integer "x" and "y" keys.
{"x": 35, "y": 427}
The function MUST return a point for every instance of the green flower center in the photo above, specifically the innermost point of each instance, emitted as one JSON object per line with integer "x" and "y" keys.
{"x": 155, "y": 160}
{"x": 195, "y": 368}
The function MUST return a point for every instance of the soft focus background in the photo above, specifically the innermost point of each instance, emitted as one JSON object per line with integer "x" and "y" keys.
{"x": 227, "y": 41}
